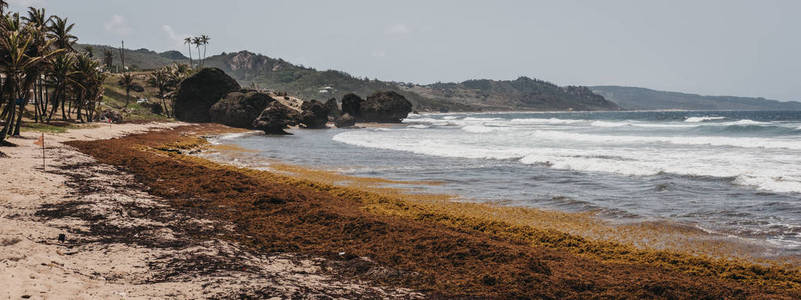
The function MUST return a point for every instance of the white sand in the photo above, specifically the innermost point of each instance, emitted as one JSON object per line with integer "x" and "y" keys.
{"x": 33, "y": 263}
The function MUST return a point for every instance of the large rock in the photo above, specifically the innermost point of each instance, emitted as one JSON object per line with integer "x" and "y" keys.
{"x": 333, "y": 109}
{"x": 199, "y": 92}
{"x": 314, "y": 114}
{"x": 239, "y": 109}
{"x": 351, "y": 104}
{"x": 384, "y": 107}
{"x": 345, "y": 120}
{"x": 275, "y": 118}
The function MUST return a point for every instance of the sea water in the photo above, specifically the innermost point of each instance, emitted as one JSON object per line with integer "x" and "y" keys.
{"x": 736, "y": 173}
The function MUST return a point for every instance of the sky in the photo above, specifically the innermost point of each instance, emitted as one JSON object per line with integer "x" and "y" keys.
{"x": 714, "y": 47}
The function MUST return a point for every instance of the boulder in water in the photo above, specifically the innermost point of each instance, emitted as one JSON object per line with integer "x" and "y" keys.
{"x": 240, "y": 108}
{"x": 384, "y": 107}
{"x": 351, "y": 104}
{"x": 275, "y": 118}
{"x": 345, "y": 120}
{"x": 199, "y": 92}
{"x": 314, "y": 114}
{"x": 333, "y": 109}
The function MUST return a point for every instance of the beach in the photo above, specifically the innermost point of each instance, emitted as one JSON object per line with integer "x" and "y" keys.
{"x": 145, "y": 216}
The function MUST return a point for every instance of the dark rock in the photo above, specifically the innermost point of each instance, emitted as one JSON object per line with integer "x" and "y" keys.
{"x": 345, "y": 120}
{"x": 113, "y": 115}
{"x": 314, "y": 114}
{"x": 333, "y": 109}
{"x": 239, "y": 109}
{"x": 275, "y": 118}
{"x": 351, "y": 104}
{"x": 199, "y": 92}
{"x": 384, "y": 107}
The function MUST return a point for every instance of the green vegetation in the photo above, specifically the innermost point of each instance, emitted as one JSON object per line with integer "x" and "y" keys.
{"x": 40, "y": 67}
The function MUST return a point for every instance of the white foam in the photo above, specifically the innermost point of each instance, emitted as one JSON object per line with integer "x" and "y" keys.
{"x": 478, "y": 129}
{"x": 745, "y": 122}
{"x": 702, "y": 119}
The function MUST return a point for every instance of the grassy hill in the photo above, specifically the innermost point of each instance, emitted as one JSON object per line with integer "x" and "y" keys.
{"x": 647, "y": 99}
{"x": 259, "y": 71}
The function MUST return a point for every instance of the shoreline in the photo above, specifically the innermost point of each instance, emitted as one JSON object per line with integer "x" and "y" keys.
{"x": 643, "y": 233}
{"x": 401, "y": 245}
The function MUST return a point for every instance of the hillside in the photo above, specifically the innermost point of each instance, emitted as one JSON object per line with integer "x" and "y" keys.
{"x": 141, "y": 59}
{"x": 521, "y": 94}
{"x": 255, "y": 70}
{"x": 646, "y": 99}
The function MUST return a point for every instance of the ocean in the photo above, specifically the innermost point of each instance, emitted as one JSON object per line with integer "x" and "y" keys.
{"x": 733, "y": 173}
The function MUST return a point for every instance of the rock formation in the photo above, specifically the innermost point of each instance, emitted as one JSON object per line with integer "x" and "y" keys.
{"x": 384, "y": 107}
{"x": 351, "y": 104}
{"x": 275, "y": 118}
{"x": 240, "y": 108}
{"x": 314, "y": 114}
{"x": 199, "y": 92}
{"x": 345, "y": 120}
{"x": 333, "y": 109}
{"x": 112, "y": 115}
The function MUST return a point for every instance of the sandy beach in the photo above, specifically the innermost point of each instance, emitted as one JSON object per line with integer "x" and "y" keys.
{"x": 144, "y": 219}
{"x": 123, "y": 243}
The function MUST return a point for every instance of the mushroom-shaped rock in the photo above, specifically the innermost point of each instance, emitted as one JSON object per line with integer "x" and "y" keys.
{"x": 333, "y": 109}
{"x": 199, "y": 92}
{"x": 384, "y": 107}
{"x": 239, "y": 109}
{"x": 275, "y": 118}
{"x": 314, "y": 114}
{"x": 351, "y": 104}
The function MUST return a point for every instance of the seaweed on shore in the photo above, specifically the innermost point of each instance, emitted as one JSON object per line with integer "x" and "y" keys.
{"x": 423, "y": 248}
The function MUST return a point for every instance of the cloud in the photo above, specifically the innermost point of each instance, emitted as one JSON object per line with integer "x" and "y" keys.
{"x": 118, "y": 25}
{"x": 379, "y": 53}
{"x": 398, "y": 29}
{"x": 176, "y": 40}
{"x": 26, "y": 3}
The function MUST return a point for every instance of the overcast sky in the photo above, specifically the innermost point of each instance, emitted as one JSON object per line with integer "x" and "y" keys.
{"x": 726, "y": 47}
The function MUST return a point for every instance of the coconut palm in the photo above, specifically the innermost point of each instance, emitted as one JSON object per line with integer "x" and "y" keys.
{"x": 204, "y": 39}
{"x": 60, "y": 78}
{"x": 127, "y": 82}
{"x": 197, "y": 42}
{"x": 188, "y": 42}
{"x": 160, "y": 79}
{"x": 59, "y": 30}
{"x": 23, "y": 61}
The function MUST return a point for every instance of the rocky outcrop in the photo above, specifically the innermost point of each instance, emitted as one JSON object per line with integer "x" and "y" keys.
{"x": 351, "y": 104}
{"x": 314, "y": 114}
{"x": 384, "y": 107}
{"x": 333, "y": 109}
{"x": 199, "y": 92}
{"x": 240, "y": 108}
{"x": 275, "y": 118}
{"x": 345, "y": 120}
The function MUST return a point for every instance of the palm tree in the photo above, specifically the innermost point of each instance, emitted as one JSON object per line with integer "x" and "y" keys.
{"x": 160, "y": 79}
{"x": 204, "y": 39}
{"x": 61, "y": 77}
{"x": 188, "y": 42}
{"x": 127, "y": 82}
{"x": 59, "y": 30}
{"x": 196, "y": 41}
{"x": 23, "y": 60}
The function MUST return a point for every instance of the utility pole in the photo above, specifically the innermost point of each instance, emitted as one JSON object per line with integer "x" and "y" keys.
{"x": 122, "y": 56}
